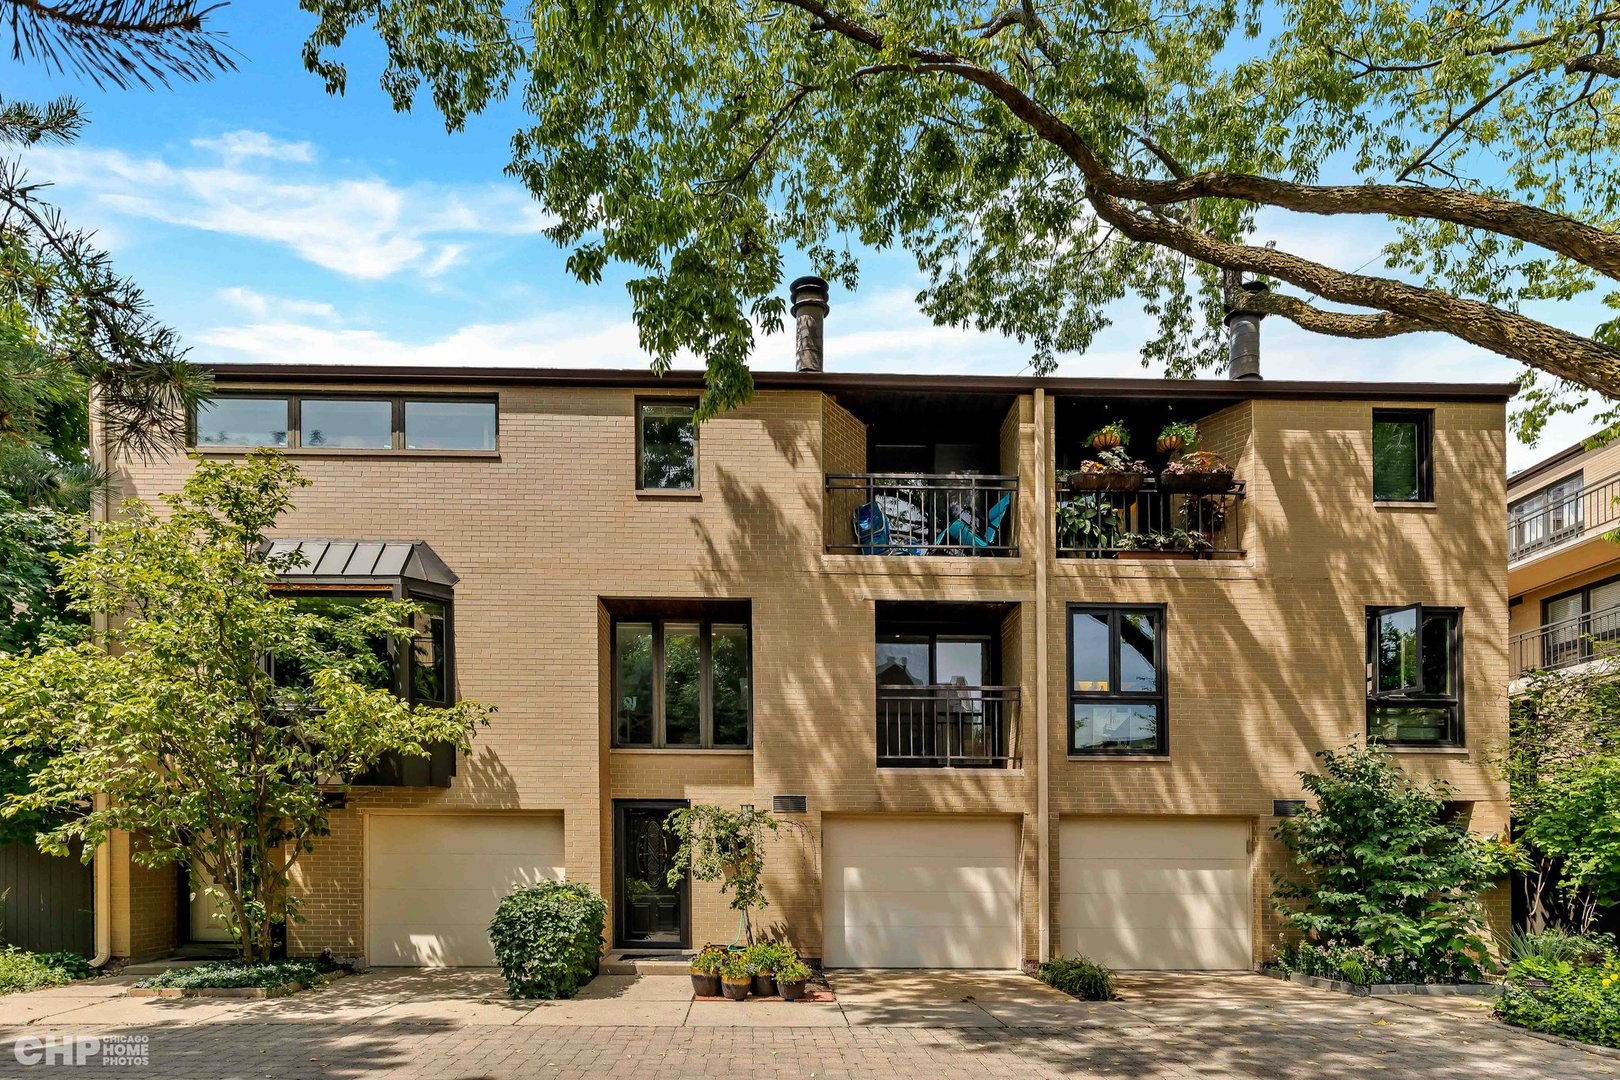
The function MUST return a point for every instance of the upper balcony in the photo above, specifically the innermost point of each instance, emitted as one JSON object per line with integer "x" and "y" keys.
{"x": 1566, "y": 643}
{"x": 1560, "y": 515}
{"x": 912, "y": 473}
{"x": 1148, "y": 479}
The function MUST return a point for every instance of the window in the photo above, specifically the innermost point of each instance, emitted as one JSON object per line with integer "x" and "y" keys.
{"x": 347, "y": 422}
{"x": 1546, "y": 516}
{"x": 681, "y": 682}
{"x": 1572, "y": 621}
{"x": 1402, "y": 471}
{"x": 666, "y": 445}
{"x": 1413, "y": 656}
{"x": 1117, "y": 701}
{"x": 430, "y": 653}
{"x": 378, "y": 674}
{"x": 427, "y": 677}
{"x": 243, "y": 421}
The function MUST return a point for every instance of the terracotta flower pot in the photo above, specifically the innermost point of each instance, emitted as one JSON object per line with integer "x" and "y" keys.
{"x": 705, "y": 985}
{"x": 1170, "y": 444}
{"x": 1104, "y": 441}
{"x": 736, "y": 991}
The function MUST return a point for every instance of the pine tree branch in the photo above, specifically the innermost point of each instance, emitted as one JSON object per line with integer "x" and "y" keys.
{"x": 120, "y": 43}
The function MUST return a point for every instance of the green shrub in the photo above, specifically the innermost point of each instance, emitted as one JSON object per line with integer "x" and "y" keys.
{"x": 769, "y": 957}
{"x": 1554, "y": 943}
{"x": 236, "y": 973}
{"x": 1556, "y": 997}
{"x": 1363, "y": 966}
{"x": 548, "y": 938}
{"x": 794, "y": 971}
{"x": 22, "y": 970}
{"x": 1080, "y": 977}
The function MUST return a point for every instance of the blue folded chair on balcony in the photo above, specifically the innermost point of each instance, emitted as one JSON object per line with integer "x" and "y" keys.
{"x": 960, "y": 532}
{"x": 871, "y": 529}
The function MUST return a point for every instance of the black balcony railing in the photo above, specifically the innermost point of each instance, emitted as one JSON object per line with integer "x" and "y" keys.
{"x": 1595, "y": 507}
{"x": 1565, "y": 643}
{"x": 947, "y": 727}
{"x": 921, "y": 514}
{"x": 1109, "y": 524}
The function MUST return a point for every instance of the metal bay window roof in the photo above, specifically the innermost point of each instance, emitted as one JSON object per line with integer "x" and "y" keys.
{"x": 337, "y": 562}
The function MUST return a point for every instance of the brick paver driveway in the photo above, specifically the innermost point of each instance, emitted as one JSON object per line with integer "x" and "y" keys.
{"x": 906, "y": 1026}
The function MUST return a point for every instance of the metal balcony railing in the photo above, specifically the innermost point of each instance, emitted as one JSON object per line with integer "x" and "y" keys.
{"x": 952, "y": 726}
{"x": 1109, "y": 524}
{"x": 1565, "y": 643}
{"x": 1596, "y": 507}
{"x": 922, "y": 514}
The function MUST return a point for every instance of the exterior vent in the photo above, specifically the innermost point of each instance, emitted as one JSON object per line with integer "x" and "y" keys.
{"x": 1287, "y": 807}
{"x": 1244, "y": 330}
{"x": 809, "y": 296}
{"x": 789, "y": 804}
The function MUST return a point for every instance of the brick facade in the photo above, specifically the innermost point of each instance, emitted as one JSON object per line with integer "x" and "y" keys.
{"x": 1265, "y": 653}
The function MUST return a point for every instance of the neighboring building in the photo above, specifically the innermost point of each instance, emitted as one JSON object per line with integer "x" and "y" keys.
{"x": 987, "y": 745}
{"x": 1563, "y": 571}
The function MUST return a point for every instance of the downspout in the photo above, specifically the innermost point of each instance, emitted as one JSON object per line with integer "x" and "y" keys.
{"x": 101, "y": 510}
{"x": 1043, "y": 789}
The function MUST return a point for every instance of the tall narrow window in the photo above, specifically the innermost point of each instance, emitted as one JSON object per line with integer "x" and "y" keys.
{"x": 1413, "y": 682}
{"x": 681, "y": 683}
{"x": 1117, "y": 680}
{"x": 430, "y": 661}
{"x": 1402, "y": 471}
{"x": 666, "y": 446}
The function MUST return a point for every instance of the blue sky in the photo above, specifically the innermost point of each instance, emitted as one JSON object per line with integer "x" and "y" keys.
{"x": 269, "y": 221}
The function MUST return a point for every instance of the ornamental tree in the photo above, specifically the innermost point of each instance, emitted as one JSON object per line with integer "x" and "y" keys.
{"x": 726, "y": 846}
{"x": 1041, "y": 160}
{"x": 178, "y": 715}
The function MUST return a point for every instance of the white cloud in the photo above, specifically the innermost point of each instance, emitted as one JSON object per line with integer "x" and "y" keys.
{"x": 234, "y": 147}
{"x": 262, "y": 306}
{"x": 358, "y": 226}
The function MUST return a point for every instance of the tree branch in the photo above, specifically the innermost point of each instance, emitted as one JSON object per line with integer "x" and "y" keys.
{"x": 1596, "y": 64}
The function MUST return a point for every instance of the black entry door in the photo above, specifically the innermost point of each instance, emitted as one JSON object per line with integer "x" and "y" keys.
{"x": 651, "y": 914}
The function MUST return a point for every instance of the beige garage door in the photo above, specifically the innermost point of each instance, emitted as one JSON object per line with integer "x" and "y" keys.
{"x": 935, "y": 892}
{"x": 1156, "y": 895}
{"x": 433, "y": 881}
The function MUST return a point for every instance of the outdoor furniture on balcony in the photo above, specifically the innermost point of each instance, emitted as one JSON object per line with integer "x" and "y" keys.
{"x": 952, "y": 726}
{"x": 922, "y": 514}
{"x": 1150, "y": 522}
{"x": 1566, "y": 643}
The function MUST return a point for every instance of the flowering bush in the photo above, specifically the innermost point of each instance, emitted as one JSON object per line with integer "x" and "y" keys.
{"x": 1560, "y": 998}
{"x": 1114, "y": 459}
{"x": 1361, "y": 966}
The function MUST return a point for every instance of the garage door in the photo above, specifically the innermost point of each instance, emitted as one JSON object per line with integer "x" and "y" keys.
{"x": 433, "y": 881}
{"x": 920, "y": 892}
{"x": 1156, "y": 895}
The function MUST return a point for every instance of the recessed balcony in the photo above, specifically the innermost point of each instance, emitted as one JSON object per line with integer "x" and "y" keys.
{"x": 1567, "y": 643}
{"x": 924, "y": 514}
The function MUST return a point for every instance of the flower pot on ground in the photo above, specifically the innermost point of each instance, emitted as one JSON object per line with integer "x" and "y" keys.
{"x": 735, "y": 978}
{"x": 764, "y": 961}
{"x": 706, "y": 967}
{"x": 790, "y": 979}
{"x": 1199, "y": 471}
{"x": 736, "y": 989}
{"x": 764, "y": 985}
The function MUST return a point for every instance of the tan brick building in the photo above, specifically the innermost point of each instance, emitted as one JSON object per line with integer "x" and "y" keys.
{"x": 989, "y": 736}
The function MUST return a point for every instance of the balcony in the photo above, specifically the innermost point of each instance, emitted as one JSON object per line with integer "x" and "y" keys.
{"x": 1150, "y": 523}
{"x": 1565, "y": 644}
{"x": 950, "y": 726}
{"x": 1593, "y": 509}
{"x": 922, "y": 514}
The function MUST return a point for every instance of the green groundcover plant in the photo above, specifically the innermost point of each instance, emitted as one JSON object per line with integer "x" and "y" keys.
{"x": 1561, "y": 998}
{"x": 231, "y": 974}
{"x": 548, "y": 938}
{"x": 23, "y": 970}
{"x": 1081, "y": 977}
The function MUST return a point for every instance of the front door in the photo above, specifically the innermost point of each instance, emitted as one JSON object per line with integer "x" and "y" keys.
{"x": 651, "y": 913}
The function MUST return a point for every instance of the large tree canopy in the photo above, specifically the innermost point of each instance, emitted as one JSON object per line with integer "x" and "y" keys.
{"x": 1042, "y": 160}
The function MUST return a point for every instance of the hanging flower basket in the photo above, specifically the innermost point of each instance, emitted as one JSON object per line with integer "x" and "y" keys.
{"x": 1169, "y": 444}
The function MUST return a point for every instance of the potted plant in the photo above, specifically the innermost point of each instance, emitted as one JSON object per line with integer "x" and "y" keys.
{"x": 1176, "y": 436}
{"x": 735, "y": 979}
{"x": 790, "y": 979}
{"x": 1110, "y": 436}
{"x": 706, "y": 967}
{"x": 1200, "y": 471}
{"x": 1089, "y": 523}
{"x": 1169, "y": 544}
{"x": 1112, "y": 470}
{"x": 764, "y": 961}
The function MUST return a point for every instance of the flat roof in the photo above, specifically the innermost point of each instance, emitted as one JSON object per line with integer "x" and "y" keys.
{"x": 1232, "y": 389}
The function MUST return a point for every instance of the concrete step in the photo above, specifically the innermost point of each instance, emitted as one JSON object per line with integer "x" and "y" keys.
{"x": 633, "y": 962}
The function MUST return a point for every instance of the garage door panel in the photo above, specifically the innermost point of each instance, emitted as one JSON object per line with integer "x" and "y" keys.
{"x": 433, "y": 881}
{"x": 929, "y": 892}
{"x": 1156, "y": 894}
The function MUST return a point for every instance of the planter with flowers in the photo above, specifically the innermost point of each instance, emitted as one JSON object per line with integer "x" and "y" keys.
{"x": 1112, "y": 470}
{"x": 1199, "y": 471}
{"x": 735, "y": 979}
{"x": 706, "y": 967}
{"x": 1110, "y": 436}
{"x": 1177, "y": 437}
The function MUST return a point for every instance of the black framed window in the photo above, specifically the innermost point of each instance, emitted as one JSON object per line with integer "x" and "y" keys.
{"x": 421, "y": 673}
{"x": 1572, "y": 621}
{"x": 336, "y": 604}
{"x": 314, "y": 421}
{"x": 1117, "y": 686}
{"x": 682, "y": 683}
{"x": 666, "y": 445}
{"x": 1414, "y": 676}
{"x": 1403, "y": 469}
{"x": 1547, "y": 515}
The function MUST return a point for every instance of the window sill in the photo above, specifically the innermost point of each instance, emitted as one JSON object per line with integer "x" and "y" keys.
{"x": 658, "y": 751}
{"x": 1405, "y": 504}
{"x": 1107, "y": 756}
{"x": 1444, "y": 751}
{"x": 337, "y": 452}
{"x": 655, "y": 495}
